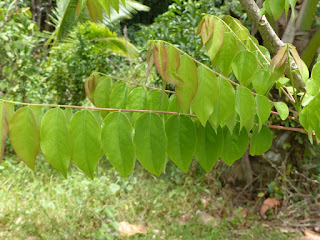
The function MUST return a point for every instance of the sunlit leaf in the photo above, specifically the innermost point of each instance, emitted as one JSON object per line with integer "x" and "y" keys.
{"x": 263, "y": 109}
{"x": 4, "y": 128}
{"x": 85, "y": 137}
{"x": 188, "y": 73}
{"x": 137, "y": 100}
{"x": 262, "y": 82}
{"x": 245, "y": 107}
{"x": 226, "y": 54}
{"x": 234, "y": 145}
{"x": 282, "y": 109}
{"x": 209, "y": 146}
{"x": 244, "y": 66}
{"x": 24, "y": 136}
{"x": 55, "y": 141}
{"x": 38, "y": 114}
{"x": 207, "y": 95}
{"x": 173, "y": 64}
{"x": 160, "y": 58}
{"x": 117, "y": 142}
{"x": 181, "y": 135}
{"x": 215, "y": 42}
{"x": 226, "y": 104}
{"x": 119, "y": 96}
{"x": 261, "y": 140}
{"x": 151, "y": 142}
{"x": 156, "y": 101}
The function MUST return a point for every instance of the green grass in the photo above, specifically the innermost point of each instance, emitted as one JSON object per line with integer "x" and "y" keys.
{"x": 44, "y": 205}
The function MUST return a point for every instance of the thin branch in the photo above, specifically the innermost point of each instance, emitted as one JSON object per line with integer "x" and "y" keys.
{"x": 96, "y": 109}
{"x": 301, "y": 130}
{"x": 140, "y": 111}
{"x": 271, "y": 39}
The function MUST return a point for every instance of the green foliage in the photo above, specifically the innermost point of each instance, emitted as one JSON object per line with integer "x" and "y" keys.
{"x": 227, "y": 115}
{"x": 117, "y": 142}
{"x": 55, "y": 140}
{"x": 207, "y": 95}
{"x": 276, "y": 8}
{"x": 209, "y": 146}
{"x": 282, "y": 109}
{"x": 19, "y": 56}
{"x": 85, "y": 138}
{"x": 25, "y": 136}
{"x": 181, "y": 134}
{"x": 178, "y": 24}
{"x": 261, "y": 140}
{"x": 151, "y": 142}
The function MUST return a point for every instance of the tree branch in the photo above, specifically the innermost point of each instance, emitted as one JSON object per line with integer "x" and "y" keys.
{"x": 269, "y": 36}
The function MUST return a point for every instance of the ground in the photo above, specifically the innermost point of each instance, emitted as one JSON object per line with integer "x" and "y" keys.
{"x": 44, "y": 205}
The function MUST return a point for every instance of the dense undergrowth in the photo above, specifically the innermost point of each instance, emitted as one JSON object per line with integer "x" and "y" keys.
{"x": 44, "y": 205}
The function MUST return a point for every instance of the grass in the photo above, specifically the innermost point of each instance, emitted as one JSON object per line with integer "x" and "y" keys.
{"x": 44, "y": 205}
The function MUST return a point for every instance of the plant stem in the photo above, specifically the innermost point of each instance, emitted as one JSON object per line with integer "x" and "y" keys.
{"x": 96, "y": 109}
{"x": 140, "y": 111}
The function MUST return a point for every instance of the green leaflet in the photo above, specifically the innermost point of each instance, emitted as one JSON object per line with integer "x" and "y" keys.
{"x": 215, "y": 42}
{"x": 263, "y": 109}
{"x": 85, "y": 137}
{"x": 315, "y": 74}
{"x": 188, "y": 73}
{"x": 38, "y": 114}
{"x": 173, "y": 104}
{"x": 262, "y": 82}
{"x": 9, "y": 110}
{"x": 119, "y": 95}
{"x": 151, "y": 142}
{"x": 310, "y": 117}
{"x": 282, "y": 109}
{"x": 102, "y": 92}
{"x": 245, "y": 107}
{"x": 91, "y": 84}
{"x": 117, "y": 144}
{"x": 276, "y": 7}
{"x": 226, "y": 54}
{"x": 156, "y": 101}
{"x": 207, "y": 95}
{"x": 209, "y": 146}
{"x": 232, "y": 121}
{"x": 173, "y": 63}
{"x": 312, "y": 87}
{"x": 225, "y": 106}
{"x": 181, "y": 135}
{"x": 278, "y": 63}
{"x": 68, "y": 113}
{"x": 24, "y": 135}
{"x": 206, "y": 28}
{"x": 303, "y": 69}
{"x": 235, "y": 145}
{"x": 160, "y": 58}
{"x": 137, "y": 99}
{"x": 4, "y": 127}
{"x": 261, "y": 140}
{"x": 55, "y": 141}
{"x": 244, "y": 66}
